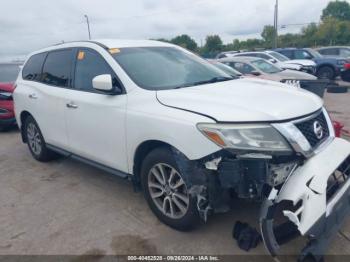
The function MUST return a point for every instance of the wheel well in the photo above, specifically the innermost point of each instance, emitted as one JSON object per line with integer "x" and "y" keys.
{"x": 23, "y": 118}
{"x": 141, "y": 152}
{"x": 326, "y": 65}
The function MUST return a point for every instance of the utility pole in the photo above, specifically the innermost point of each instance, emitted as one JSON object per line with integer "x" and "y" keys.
{"x": 88, "y": 25}
{"x": 276, "y": 24}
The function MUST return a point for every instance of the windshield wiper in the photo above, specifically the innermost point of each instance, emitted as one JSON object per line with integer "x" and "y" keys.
{"x": 209, "y": 81}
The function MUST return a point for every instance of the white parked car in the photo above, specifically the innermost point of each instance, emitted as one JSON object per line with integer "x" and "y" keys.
{"x": 187, "y": 133}
{"x": 280, "y": 60}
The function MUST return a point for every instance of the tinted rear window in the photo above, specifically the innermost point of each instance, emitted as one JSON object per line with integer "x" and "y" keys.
{"x": 32, "y": 69}
{"x": 57, "y": 68}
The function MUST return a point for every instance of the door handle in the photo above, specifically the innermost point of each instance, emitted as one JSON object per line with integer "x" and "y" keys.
{"x": 72, "y": 105}
{"x": 33, "y": 96}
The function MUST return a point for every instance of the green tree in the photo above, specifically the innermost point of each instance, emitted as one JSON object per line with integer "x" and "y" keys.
{"x": 327, "y": 31}
{"x": 185, "y": 41}
{"x": 337, "y": 9}
{"x": 309, "y": 35}
{"x": 268, "y": 35}
{"x": 213, "y": 44}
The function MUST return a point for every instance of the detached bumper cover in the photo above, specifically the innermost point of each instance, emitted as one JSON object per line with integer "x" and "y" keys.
{"x": 315, "y": 213}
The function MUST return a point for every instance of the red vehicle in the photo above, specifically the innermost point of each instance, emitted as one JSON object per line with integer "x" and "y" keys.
{"x": 8, "y": 74}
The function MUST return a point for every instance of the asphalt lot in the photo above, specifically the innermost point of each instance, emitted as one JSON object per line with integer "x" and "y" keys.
{"x": 66, "y": 207}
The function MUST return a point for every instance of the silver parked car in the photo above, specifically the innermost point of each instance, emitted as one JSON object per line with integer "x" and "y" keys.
{"x": 261, "y": 68}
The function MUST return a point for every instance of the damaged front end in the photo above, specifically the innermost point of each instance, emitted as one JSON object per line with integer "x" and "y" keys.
{"x": 304, "y": 191}
{"x": 314, "y": 202}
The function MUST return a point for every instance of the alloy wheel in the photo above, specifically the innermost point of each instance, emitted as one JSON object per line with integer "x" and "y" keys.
{"x": 34, "y": 139}
{"x": 168, "y": 190}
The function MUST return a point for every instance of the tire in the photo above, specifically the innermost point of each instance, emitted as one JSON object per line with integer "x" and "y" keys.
{"x": 36, "y": 142}
{"x": 157, "y": 192}
{"x": 337, "y": 89}
{"x": 326, "y": 72}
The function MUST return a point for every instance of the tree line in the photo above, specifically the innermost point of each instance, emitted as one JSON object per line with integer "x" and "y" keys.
{"x": 333, "y": 29}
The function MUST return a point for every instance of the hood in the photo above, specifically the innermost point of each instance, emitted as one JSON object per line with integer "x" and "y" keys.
{"x": 243, "y": 100}
{"x": 285, "y": 65}
{"x": 303, "y": 62}
{"x": 7, "y": 87}
{"x": 292, "y": 74}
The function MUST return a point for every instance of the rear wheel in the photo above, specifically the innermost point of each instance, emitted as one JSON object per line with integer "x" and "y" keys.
{"x": 166, "y": 191}
{"x": 36, "y": 142}
{"x": 326, "y": 72}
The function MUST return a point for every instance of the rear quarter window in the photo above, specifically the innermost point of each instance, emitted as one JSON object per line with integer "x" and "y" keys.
{"x": 32, "y": 70}
{"x": 57, "y": 68}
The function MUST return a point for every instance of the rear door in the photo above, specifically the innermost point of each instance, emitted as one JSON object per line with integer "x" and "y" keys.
{"x": 96, "y": 120}
{"x": 45, "y": 83}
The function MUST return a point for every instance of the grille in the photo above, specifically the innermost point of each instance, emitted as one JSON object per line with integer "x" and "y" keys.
{"x": 338, "y": 179}
{"x": 307, "y": 129}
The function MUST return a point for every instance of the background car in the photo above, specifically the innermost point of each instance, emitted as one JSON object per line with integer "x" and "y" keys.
{"x": 341, "y": 51}
{"x": 280, "y": 60}
{"x": 263, "y": 69}
{"x": 327, "y": 67}
{"x": 8, "y": 74}
{"x": 227, "y": 69}
{"x": 260, "y": 68}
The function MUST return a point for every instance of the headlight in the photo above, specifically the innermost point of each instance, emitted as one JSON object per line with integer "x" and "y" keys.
{"x": 254, "y": 137}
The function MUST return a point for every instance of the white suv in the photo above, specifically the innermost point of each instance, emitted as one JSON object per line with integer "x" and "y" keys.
{"x": 188, "y": 134}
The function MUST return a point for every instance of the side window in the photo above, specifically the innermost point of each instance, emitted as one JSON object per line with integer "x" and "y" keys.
{"x": 345, "y": 52}
{"x": 32, "y": 69}
{"x": 263, "y": 56}
{"x": 329, "y": 51}
{"x": 90, "y": 64}
{"x": 287, "y": 53}
{"x": 57, "y": 68}
{"x": 302, "y": 54}
{"x": 242, "y": 67}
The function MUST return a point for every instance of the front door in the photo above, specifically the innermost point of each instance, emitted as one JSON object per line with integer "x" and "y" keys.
{"x": 96, "y": 120}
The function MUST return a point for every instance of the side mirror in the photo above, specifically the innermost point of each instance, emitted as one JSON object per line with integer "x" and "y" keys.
{"x": 273, "y": 61}
{"x": 103, "y": 83}
{"x": 255, "y": 73}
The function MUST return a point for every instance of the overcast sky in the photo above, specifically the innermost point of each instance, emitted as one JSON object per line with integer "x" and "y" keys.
{"x": 29, "y": 25}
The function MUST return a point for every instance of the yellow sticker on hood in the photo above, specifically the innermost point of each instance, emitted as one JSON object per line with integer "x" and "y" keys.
{"x": 114, "y": 50}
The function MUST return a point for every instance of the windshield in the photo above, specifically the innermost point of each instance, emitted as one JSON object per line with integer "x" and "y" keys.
{"x": 9, "y": 72}
{"x": 279, "y": 56}
{"x": 314, "y": 53}
{"x": 161, "y": 68}
{"x": 266, "y": 67}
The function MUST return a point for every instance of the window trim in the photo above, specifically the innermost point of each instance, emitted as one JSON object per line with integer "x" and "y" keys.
{"x": 42, "y": 69}
{"x": 74, "y": 68}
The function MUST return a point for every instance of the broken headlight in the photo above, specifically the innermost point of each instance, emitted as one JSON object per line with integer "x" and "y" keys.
{"x": 251, "y": 137}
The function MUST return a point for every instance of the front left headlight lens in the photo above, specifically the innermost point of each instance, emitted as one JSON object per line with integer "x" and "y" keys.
{"x": 254, "y": 137}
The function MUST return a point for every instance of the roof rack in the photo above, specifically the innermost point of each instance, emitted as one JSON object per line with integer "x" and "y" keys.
{"x": 87, "y": 41}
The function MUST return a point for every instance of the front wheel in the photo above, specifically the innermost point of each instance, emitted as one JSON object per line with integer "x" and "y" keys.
{"x": 166, "y": 191}
{"x": 326, "y": 72}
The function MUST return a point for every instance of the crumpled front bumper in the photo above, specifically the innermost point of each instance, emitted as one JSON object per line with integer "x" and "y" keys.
{"x": 311, "y": 211}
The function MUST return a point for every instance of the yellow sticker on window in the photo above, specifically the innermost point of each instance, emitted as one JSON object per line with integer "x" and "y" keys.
{"x": 81, "y": 55}
{"x": 114, "y": 51}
